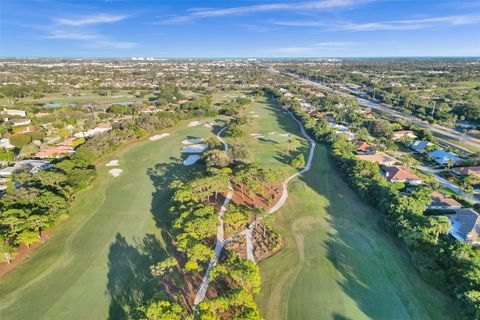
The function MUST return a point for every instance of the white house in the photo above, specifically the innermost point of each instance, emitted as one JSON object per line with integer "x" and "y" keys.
{"x": 420, "y": 146}
{"x": 14, "y": 112}
{"x": 20, "y": 122}
{"x": 442, "y": 157}
{"x": 5, "y": 143}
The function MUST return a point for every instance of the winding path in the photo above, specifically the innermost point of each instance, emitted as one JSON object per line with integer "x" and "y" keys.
{"x": 202, "y": 291}
{"x": 248, "y": 232}
{"x": 284, "y": 195}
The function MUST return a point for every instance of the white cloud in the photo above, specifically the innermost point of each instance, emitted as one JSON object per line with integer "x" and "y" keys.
{"x": 398, "y": 25}
{"x": 60, "y": 34}
{"x": 93, "y": 19}
{"x": 197, "y": 13}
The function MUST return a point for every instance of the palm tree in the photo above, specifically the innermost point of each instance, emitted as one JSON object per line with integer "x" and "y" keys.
{"x": 450, "y": 163}
{"x": 440, "y": 225}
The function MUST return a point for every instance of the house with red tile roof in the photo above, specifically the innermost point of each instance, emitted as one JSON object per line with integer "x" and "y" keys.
{"x": 54, "y": 152}
{"x": 363, "y": 147}
{"x": 399, "y": 174}
{"x": 464, "y": 171}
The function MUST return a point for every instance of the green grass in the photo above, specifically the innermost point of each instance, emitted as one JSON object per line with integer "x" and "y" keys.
{"x": 97, "y": 261}
{"x": 85, "y": 97}
{"x": 337, "y": 262}
{"x": 226, "y": 96}
{"x": 270, "y": 151}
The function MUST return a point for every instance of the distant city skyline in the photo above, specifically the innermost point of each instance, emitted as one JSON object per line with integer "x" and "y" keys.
{"x": 241, "y": 29}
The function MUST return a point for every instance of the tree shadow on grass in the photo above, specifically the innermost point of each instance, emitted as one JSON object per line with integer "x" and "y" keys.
{"x": 130, "y": 282}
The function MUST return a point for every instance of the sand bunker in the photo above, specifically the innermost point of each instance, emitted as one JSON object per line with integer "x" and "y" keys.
{"x": 112, "y": 163}
{"x": 191, "y": 159}
{"x": 193, "y": 141}
{"x": 284, "y": 134}
{"x": 194, "y": 123}
{"x": 159, "y": 136}
{"x": 252, "y": 111}
{"x": 115, "y": 172}
{"x": 195, "y": 148}
{"x": 257, "y": 135}
{"x": 256, "y": 116}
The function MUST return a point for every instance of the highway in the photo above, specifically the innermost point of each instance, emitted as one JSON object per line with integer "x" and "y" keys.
{"x": 437, "y": 130}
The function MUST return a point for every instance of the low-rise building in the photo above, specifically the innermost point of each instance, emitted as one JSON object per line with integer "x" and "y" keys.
{"x": 363, "y": 147}
{"x": 465, "y": 226}
{"x": 54, "y": 152}
{"x": 420, "y": 146}
{"x": 101, "y": 128}
{"x": 441, "y": 201}
{"x": 379, "y": 158}
{"x": 5, "y": 143}
{"x": 398, "y": 174}
{"x": 408, "y": 134}
{"x": 14, "y": 112}
{"x": 20, "y": 122}
{"x": 443, "y": 157}
{"x": 464, "y": 171}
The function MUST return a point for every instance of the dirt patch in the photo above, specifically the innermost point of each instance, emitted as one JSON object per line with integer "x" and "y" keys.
{"x": 22, "y": 253}
{"x": 270, "y": 196}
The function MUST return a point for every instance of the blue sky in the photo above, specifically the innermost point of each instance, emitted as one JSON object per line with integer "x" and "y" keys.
{"x": 325, "y": 28}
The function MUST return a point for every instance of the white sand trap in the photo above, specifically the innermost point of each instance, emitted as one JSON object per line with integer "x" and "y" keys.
{"x": 195, "y": 148}
{"x": 193, "y": 141}
{"x": 191, "y": 159}
{"x": 257, "y": 135}
{"x": 194, "y": 123}
{"x": 159, "y": 136}
{"x": 284, "y": 134}
{"x": 256, "y": 116}
{"x": 115, "y": 172}
{"x": 252, "y": 111}
{"x": 273, "y": 132}
{"x": 112, "y": 163}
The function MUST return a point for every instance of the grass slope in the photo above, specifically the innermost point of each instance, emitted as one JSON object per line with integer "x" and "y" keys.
{"x": 337, "y": 263}
{"x": 97, "y": 261}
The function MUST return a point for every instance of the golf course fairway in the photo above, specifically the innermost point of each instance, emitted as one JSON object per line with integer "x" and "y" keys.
{"x": 97, "y": 262}
{"x": 337, "y": 262}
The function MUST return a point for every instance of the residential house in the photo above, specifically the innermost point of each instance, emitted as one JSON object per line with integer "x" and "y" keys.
{"x": 20, "y": 122}
{"x": 379, "y": 158}
{"x": 443, "y": 157}
{"x": 362, "y": 147}
{"x": 5, "y": 143}
{"x": 54, "y": 152}
{"x": 33, "y": 166}
{"x": 420, "y": 146}
{"x": 442, "y": 201}
{"x": 465, "y": 226}
{"x": 26, "y": 129}
{"x": 101, "y": 128}
{"x": 398, "y": 174}
{"x": 464, "y": 171}
{"x": 7, "y": 171}
{"x": 408, "y": 134}
{"x": 14, "y": 112}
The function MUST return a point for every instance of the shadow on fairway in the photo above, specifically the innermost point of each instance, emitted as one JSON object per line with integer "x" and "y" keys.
{"x": 374, "y": 270}
{"x": 130, "y": 282}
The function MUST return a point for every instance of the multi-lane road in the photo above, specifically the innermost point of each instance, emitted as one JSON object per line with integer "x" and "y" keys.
{"x": 455, "y": 138}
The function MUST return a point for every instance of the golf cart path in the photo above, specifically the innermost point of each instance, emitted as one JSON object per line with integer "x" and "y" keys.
{"x": 202, "y": 291}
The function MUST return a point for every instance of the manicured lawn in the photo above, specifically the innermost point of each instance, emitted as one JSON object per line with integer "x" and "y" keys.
{"x": 97, "y": 261}
{"x": 271, "y": 151}
{"x": 338, "y": 263}
{"x": 84, "y": 97}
